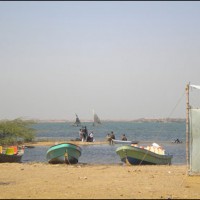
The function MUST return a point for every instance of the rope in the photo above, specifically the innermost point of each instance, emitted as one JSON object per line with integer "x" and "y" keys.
{"x": 67, "y": 157}
{"x": 172, "y": 111}
{"x": 178, "y": 102}
{"x": 127, "y": 162}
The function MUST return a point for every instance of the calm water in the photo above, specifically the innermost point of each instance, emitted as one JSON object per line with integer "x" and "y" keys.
{"x": 145, "y": 133}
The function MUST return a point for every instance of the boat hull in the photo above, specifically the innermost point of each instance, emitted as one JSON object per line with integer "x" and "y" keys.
{"x": 63, "y": 153}
{"x": 10, "y": 158}
{"x": 136, "y": 156}
{"x": 124, "y": 142}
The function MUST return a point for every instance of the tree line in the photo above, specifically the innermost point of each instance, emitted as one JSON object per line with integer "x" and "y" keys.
{"x": 16, "y": 131}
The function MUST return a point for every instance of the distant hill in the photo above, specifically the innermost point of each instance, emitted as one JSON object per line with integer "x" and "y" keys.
{"x": 159, "y": 120}
{"x": 163, "y": 120}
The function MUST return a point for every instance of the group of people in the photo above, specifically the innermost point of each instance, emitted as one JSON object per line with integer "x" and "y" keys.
{"x": 84, "y": 136}
{"x": 111, "y": 136}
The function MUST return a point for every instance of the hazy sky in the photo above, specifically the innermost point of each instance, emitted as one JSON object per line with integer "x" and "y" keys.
{"x": 125, "y": 60}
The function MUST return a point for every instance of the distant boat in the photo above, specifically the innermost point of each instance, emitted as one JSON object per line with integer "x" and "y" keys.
{"x": 177, "y": 141}
{"x": 96, "y": 119}
{"x": 63, "y": 153}
{"x": 152, "y": 155}
{"x": 124, "y": 142}
{"x": 77, "y": 122}
{"x": 11, "y": 155}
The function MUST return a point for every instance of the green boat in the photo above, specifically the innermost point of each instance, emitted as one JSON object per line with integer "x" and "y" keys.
{"x": 63, "y": 153}
{"x": 134, "y": 155}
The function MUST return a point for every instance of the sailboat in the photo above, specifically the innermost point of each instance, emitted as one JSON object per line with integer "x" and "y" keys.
{"x": 96, "y": 119}
{"x": 77, "y": 122}
{"x": 192, "y": 134}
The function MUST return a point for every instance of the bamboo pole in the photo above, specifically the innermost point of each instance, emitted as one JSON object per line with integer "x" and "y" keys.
{"x": 187, "y": 125}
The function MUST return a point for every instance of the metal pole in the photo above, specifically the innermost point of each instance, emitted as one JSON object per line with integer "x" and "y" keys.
{"x": 187, "y": 124}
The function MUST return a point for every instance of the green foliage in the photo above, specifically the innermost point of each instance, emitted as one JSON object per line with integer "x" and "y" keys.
{"x": 16, "y": 130}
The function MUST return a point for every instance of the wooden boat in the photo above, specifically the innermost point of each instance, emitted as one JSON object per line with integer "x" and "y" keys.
{"x": 135, "y": 155}
{"x": 124, "y": 142}
{"x": 29, "y": 146}
{"x": 64, "y": 153}
{"x": 77, "y": 122}
{"x": 9, "y": 155}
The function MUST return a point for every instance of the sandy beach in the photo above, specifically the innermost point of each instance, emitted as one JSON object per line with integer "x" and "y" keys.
{"x": 51, "y": 143}
{"x": 60, "y": 181}
{"x": 36, "y": 180}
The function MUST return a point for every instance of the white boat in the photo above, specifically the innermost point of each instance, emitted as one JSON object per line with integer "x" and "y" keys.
{"x": 124, "y": 142}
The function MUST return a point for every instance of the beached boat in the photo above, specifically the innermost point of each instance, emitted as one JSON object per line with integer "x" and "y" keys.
{"x": 11, "y": 155}
{"x": 151, "y": 155}
{"x": 124, "y": 142}
{"x": 64, "y": 153}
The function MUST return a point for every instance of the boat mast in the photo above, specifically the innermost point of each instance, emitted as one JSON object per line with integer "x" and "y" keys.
{"x": 187, "y": 123}
{"x": 77, "y": 122}
{"x": 93, "y": 118}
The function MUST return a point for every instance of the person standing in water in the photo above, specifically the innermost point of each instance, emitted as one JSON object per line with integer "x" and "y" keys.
{"x": 108, "y": 138}
{"x": 124, "y": 138}
{"x": 112, "y": 137}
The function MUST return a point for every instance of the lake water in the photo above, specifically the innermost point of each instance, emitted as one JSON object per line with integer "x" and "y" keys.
{"x": 145, "y": 133}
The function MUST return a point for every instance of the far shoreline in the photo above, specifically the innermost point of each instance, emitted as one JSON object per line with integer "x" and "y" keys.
{"x": 138, "y": 120}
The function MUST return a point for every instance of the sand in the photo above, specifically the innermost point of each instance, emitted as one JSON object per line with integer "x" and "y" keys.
{"x": 51, "y": 143}
{"x": 61, "y": 181}
{"x": 85, "y": 181}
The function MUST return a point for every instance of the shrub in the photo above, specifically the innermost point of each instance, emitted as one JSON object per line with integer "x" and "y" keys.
{"x": 16, "y": 130}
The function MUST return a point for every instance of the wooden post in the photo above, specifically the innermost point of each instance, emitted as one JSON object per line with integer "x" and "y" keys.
{"x": 187, "y": 124}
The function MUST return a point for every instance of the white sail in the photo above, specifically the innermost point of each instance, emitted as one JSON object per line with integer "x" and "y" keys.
{"x": 96, "y": 119}
{"x": 195, "y": 86}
